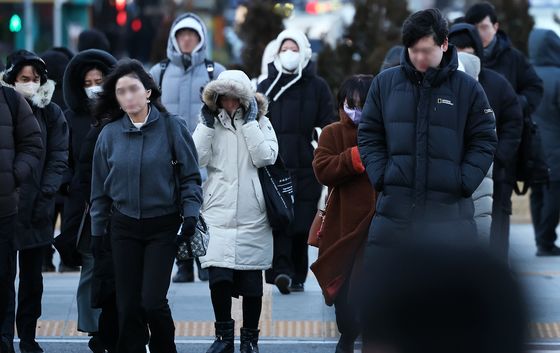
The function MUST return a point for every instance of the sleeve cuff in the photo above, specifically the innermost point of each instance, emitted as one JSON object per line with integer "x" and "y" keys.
{"x": 356, "y": 160}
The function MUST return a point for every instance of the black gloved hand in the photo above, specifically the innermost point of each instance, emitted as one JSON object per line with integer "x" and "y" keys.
{"x": 96, "y": 245}
{"x": 41, "y": 215}
{"x": 252, "y": 112}
{"x": 208, "y": 116}
{"x": 187, "y": 230}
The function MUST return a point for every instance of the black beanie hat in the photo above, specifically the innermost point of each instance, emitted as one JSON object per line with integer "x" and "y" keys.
{"x": 93, "y": 39}
{"x": 18, "y": 59}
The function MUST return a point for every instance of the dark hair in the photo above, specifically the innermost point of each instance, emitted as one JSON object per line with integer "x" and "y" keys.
{"x": 422, "y": 24}
{"x": 107, "y": 107}
{"x": 352, "y": 86}
{"x": 478, "y": 12}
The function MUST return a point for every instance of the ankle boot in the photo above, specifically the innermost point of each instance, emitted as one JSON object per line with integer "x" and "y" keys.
{"x": 249, "y": 340}
{"x": 345, "y": 344}
{"x": 224, "y": 338}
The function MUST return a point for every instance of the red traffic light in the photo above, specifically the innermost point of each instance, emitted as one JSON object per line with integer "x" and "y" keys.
{"x": 121, "y": 18}
{"x": 136, "y": 25}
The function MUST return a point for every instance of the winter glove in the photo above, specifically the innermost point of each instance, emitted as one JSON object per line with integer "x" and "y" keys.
{"x": 252, "y": 112}
{"x": 96, "y": 245}
{"x": 42, "y": 210}
{"x": 208, "y": 116}
{"x": 187, "y": 229}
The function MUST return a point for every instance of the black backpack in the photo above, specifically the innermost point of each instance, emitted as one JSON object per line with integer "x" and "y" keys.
{"x": 531, "y": 167}
{"x": 165, "y": 63}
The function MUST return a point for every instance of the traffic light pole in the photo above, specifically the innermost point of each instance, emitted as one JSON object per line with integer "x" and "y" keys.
{"x": 57, "y": 22}
{"x": 27, "y": 22}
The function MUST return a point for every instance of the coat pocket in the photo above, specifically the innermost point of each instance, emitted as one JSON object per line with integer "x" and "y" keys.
{"x": 259, "y": 194}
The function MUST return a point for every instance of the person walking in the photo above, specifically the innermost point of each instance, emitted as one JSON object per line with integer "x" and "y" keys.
{"x": 82, "y": 83}
{"x": 300, "y": 101}
{"x": 427, "y": 139}
{"x": 181, "y": 77}
{"x": 509, "y": 128}
{"x": 134, "y": 199}
{"x": 233, "y": 140}
{"x": 21, "y": 150}
{"x": 337, "y": 165}
{"x": 544, "y": 46}
{"x": 27, "y": 73}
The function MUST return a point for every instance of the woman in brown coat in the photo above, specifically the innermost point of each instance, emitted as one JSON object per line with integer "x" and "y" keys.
{"x": 351, "y": 206}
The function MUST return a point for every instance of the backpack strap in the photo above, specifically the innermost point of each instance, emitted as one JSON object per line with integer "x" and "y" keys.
{"x": 163, "y": 66}
{"x": 11, "y": 99}
{"x": 209, "y": 68}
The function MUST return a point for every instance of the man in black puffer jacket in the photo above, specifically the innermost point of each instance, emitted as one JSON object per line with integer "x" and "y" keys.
{"x": 21, "y": 148}
{"x": 427, "y": 139}
{"x": 499, "y": 55}
{"x": 509, "y": 125}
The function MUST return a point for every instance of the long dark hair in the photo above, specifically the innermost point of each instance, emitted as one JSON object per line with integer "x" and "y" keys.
{"x": 352, "y": 86}
{"x": 107, "y": 107}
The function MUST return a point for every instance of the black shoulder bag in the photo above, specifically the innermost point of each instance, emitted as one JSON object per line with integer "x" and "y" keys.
{"x": 278, "y": 193}
{"x": 196, "y": 245}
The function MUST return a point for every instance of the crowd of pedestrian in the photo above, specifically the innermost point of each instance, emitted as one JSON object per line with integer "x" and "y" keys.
{"x": 131, "y": 161}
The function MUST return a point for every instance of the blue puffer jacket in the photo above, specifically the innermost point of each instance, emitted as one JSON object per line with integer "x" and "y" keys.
{"x": 186, "y": 75}
{"x": 427, "y": 141}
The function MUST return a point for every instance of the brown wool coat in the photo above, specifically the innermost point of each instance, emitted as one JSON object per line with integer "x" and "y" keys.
{"x": 351, "y": 206}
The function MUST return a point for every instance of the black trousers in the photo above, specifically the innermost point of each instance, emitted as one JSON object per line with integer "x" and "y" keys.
{"x": 290, "y": 256}
{"x": 30, "y": 293}
{"x": 143, "y": 254}
{"x": 501, "y": 213}
{"x": 346, "y": 314}
{"x": 545, "y": 211}
{"x": 7, "y": 233}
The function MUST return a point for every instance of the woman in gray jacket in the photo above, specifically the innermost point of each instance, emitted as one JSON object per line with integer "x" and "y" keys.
{"x": 134, "y": 198}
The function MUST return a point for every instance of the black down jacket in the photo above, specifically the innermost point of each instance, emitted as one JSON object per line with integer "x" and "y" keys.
{"x": 515, "y": 67}
{"x": 302, "y": 107}
{"x": 427, "y": 141}
{"x": 20, "y": 148}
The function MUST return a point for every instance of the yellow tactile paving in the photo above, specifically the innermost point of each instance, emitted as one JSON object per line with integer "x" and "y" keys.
{"x": 279, "y": 329}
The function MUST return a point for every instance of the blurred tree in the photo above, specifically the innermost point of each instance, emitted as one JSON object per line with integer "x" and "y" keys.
{"x": 375, "y": 29}
{"x": 263, "y": 23}
{"x": 514, "y": 19}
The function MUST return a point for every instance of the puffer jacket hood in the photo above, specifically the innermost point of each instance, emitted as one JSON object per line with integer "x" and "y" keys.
{"x": 73, "y": 87}
{"x": 305, "y": 55}
{"x": 544, "y": 47}
{"x": 191, "y": 21}
{"x": 472, "y": 32}
{"x": 43, "y": 96}
{"x": 233, "y": 83}
{"x": 392, "y": 58}
{"x": 470, "y": 64}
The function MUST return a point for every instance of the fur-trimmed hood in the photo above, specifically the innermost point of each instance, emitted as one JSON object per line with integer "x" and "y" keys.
{"x": 233, "y": 83}
{"x": 43, "y": 96}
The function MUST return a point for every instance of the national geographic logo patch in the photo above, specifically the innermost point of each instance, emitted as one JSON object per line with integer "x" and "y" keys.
{"x": 444, "y": 101}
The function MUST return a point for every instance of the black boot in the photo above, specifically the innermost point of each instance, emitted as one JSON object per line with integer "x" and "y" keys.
{"x": 224, "y": 338}
{"x": 345, "y": 344}
{"x": 249, "y": 340}
{"x": 185, "y": 272}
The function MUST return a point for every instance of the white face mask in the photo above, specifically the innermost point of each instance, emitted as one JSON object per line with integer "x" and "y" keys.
{"x": 93, "y": 91}
{"x": 27, "y": 89}
{"x": 289, "y": 59}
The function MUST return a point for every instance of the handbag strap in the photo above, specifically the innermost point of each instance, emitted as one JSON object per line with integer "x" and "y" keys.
{"x": 174, "y": 161}
{"x": 328, "y": 198}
